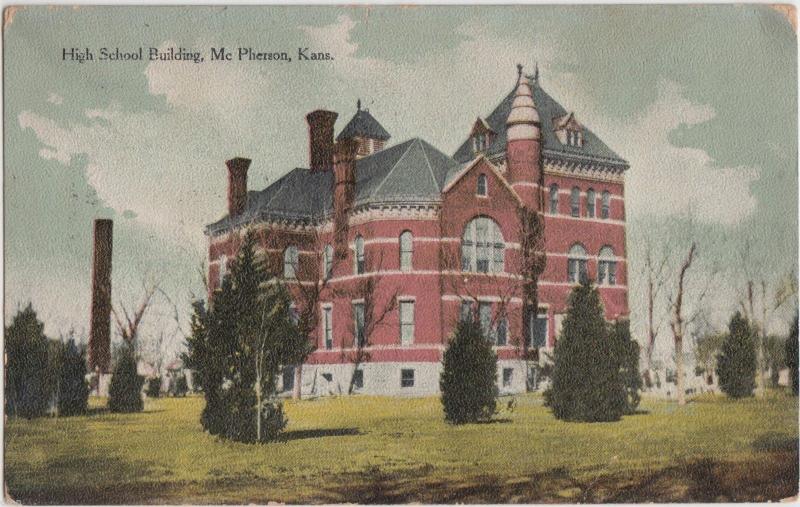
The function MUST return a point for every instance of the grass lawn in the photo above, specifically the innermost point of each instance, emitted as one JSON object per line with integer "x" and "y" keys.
{"x": 369, "y": 449}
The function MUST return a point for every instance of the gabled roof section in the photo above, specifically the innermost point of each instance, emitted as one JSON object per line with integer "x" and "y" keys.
{"x": 464, "y": 169}
{"x": 413, "y": 171}
{"x": 363, "y": 124}
{"x": 549, "y": 110}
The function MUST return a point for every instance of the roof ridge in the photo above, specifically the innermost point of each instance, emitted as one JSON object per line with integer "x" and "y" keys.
{"x": 280, "y": 189}
{"x": 397, "y": 162}
{"x": 422, "y": 143}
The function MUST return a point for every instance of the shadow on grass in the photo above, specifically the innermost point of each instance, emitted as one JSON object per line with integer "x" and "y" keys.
{"x": 502, "y": 420}
{"x": 771, "y": 442}
{"x": 330, "y": 432}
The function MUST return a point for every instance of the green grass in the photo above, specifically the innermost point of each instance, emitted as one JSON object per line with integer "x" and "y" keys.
{"x": 369, "y": 449}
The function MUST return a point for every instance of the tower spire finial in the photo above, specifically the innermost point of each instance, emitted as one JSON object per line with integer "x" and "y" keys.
{"x": 519, "y": 71}
{"x": 358, "y": 104}
{"x": 536, "y": 72}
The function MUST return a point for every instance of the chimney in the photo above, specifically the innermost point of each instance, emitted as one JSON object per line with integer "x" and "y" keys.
{"x": 237, "y": 185}
{"x": 100, "y": 320}
{"x": 320, "y": 139}
{"x": 344, "y": 190}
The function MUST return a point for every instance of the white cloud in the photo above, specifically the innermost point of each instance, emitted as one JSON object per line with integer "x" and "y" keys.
{"x": 668, "y": 179}
{"x": 55, "y": 98}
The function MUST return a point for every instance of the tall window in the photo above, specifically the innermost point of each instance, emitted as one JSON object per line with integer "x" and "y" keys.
{"x": 406, "y": 250}
{"x": 482, "y": 247}
{"x": 501, "y": 333}
{"x": 327, "y": 262}
{"x": 483, "y": 185}
{"x": 358, "y": 325}
{"x": 406, "y": 322}
{"x": 575, "y": 202}
{"x": 485, "y": 319}
{"x": 606, "y": 267}
{"x": 576, "y": 264}
{"x": 554, "y": 199}
{"x": 466, "y": 310}
{"x": 327, "y": 324}
{"x": 590, "y": 203}
{"x": 606, "y": 204}
{"x": 290, "y": 262}
{"x": 537, "y": 329}
{"x": 359, "y": 255}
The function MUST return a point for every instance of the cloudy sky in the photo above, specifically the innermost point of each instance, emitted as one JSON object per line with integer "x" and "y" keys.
{"x": 701, "y": 100}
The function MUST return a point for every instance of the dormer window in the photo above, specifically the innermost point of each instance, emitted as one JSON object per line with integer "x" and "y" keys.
{"x": 575, "y": 138}
{"x": 481, "y": 135}
{"x": 568, "y": 130}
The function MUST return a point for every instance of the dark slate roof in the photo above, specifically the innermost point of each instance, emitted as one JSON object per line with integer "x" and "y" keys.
{"x": 593, "y": 148}
{"x": 413, "y": 171}
{"x": 363, "y": 124}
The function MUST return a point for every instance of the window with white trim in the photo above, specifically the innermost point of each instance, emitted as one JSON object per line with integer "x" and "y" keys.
{"x": 577, "y": 262}
{"x": 605, "y": 209}
{"x": 359, "y": 257}
{"x": 590, "y": 203}
{"x": 606, "y": 267}
{"x": 485, "y": 319}
{"x": 501, "y": 332}
{"x": 537, "y": 329}
{"x": 327, "y": 326}
{"x": 406, "y": 251}
{"x": 554, "y": 199}
{"x": 482, "y": 247}
{"x": 483, "y": 186}
{"x": 360, "y": 339}
{"x": 575, "y": 202}
{"x": 290, "y": 262}
{"x": 406, "y": 322}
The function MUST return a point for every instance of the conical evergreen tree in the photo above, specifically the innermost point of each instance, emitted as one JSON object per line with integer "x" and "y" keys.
{"x": 736, "y": 363}
{"x": 73, "y": 390}
{"x": 469, "y": 373}
{"x": 125, "y": 391}
{"x": 237, "y": 348}
{"x": 26, "y": 392}
{"x": 626, "y": 350}
{"x": 587, "y": 384}
{"x": 791, "y": 356}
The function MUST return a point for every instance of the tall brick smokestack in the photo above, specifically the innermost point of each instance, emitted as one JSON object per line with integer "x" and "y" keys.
{"x": 320, "y": 139}
{"x": 100, "y": 331}
{"x": 344, "y": 191}
{"x": 237, "y": 185}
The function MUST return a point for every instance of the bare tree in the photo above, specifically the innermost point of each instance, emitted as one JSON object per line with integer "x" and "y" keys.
{"x": 129, "y": 321}
{"x": 678, "y": 324}
{"x": 655, "y": 279}
{"x": 374, "y": 317}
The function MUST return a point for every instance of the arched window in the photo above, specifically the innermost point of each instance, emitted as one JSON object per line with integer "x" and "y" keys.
{"x": 327, "y": 262}
{"x": 406, "y": 250}
{"x": 483, "y": 185}
{"x": 576, "y": 264}
{"x": 290, "y": 262}
{"x": 575, "y": 202}
{"x": 482, "y": 247}
{"x": 554, "y": 199}
{"x": 360, "y": 267}
{"x": 590, "y": 203}
{"x": 606, "y": 267}
{"x": 606, "y": 204}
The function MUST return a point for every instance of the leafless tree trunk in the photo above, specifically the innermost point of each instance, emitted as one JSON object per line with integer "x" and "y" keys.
{"x": 654, "y": 272}
{"x": 678, "y": 324}
{"x": 128, "y": 322}
{"x": 374, "y": 317}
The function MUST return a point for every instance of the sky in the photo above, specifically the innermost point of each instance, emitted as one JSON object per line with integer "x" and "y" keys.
{"x": 701, "y": 100}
